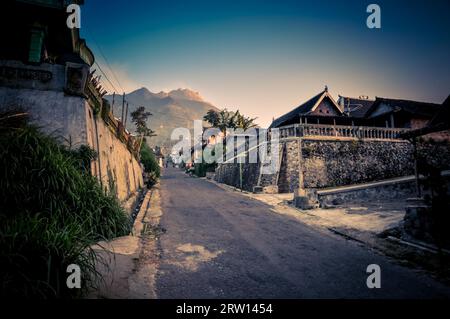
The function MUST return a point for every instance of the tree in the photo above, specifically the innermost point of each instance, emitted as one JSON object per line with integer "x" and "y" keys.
{"x": 139, "y": 118}
{"x": 244, "y": 122}
{"x": 212, "y": 117}
{"x": 225, "y": 119}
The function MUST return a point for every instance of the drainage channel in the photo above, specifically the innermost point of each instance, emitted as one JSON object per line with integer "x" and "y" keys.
{"x": 139, "y": 202}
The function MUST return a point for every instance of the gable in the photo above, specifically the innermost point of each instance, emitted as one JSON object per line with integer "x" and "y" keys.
{"x": 326, "y": 108}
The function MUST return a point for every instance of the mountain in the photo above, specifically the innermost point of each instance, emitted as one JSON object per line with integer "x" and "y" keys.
{"x": 177, "y": 108}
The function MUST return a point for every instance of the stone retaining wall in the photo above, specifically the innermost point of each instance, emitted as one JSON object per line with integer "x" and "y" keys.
{"x": 229, "y": 174}
{"x": 331, "y": 163}
{"x": 328, "y": 163}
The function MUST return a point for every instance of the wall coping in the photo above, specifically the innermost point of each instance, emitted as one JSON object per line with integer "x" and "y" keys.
{"x": 356, "y": 187}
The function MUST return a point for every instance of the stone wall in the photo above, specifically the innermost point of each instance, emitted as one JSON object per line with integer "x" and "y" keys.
{"x": 229, "y": 174}
{"x": 329, "y": 163}
{"x": 289, "y": 170}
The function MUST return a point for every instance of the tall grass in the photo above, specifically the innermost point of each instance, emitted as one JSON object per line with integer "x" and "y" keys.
{"x": 51, "y": 211}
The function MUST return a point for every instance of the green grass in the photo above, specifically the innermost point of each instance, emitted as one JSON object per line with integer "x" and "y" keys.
{"x": 51, "y": 211}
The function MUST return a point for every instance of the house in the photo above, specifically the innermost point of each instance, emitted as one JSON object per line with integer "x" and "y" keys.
{"x": 347, "y": 111}
{"x": 438, "y": 128}
{"x": 355, "y": 107}
{"x": 38, "y": 33}
{"x": 320, "y": 109}
{"x": 385, "y": 112}
{"x": 45, "y": 70}
{"x": 323, "y": 109}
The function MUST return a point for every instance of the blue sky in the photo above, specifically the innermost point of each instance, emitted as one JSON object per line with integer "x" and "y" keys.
{"x": 265, "y": 57}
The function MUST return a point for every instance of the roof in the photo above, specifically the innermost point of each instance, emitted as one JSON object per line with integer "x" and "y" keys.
{"x": 443, "y": 115}
{"x": 356, "y": 107}
{"x": 304, "y": 108}
{"x": 412, "y": 107}
{"x": 440, "y": 122}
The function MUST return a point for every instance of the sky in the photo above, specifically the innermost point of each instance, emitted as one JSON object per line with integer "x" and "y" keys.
{"x": 266, "y": 57}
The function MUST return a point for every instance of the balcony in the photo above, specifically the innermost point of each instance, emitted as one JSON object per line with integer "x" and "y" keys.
{"x": 341, "y": 132}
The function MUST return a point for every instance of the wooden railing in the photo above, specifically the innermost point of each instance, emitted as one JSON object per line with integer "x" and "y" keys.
{"x": 360, "y": 132}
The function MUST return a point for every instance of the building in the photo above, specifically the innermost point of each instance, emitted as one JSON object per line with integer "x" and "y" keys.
{"x": 320, "y": 109}
{"x": 46, "y": 70}
{"x": 381, "y": 112}
{"x": 401, "y": 113}
{"x": 355, "y": 107}
{"x": 327, "y": 144}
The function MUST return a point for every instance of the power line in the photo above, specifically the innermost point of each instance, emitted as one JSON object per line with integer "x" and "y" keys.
{"x": 104, "y": 74}
{"x": 109, "y": 66}
{"x": 106, "y": 61}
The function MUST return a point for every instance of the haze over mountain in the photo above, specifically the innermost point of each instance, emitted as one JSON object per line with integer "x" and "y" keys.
{"x": 177, "y": 108}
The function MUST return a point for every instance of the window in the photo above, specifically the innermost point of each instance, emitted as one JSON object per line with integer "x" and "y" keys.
{"x": 36, "y": 42}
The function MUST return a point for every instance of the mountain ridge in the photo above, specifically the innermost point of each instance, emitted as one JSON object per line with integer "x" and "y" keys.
{"x": 170, "y": 110}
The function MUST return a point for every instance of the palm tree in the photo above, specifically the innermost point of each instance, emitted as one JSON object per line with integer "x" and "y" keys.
{"x": 244, "y": 122}
{"x": 212, "y": 117}
{"x": 226, "y": 120}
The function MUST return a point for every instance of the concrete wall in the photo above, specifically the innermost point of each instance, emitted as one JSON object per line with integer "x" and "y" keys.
{"x": 118, "y": 168}
{"x": 389, "y": 189}
{"x": 70, "y": 119}
{"x": 50, "y": 110}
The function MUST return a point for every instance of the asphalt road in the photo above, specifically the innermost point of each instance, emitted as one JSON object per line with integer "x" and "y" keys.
{"x": 220, "y": 244}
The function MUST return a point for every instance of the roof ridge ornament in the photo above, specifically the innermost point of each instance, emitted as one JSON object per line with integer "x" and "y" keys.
{"x": 326, "y": 88}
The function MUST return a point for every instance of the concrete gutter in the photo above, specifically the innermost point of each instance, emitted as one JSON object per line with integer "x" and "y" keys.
{"x": 356, "y": 187}
{"x": 124, "y": 263}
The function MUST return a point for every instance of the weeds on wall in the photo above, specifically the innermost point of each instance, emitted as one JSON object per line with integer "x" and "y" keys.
{"x": 51, "y": 212}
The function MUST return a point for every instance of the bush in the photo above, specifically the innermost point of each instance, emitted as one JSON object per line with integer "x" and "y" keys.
{"x": 151, "y": 166}
{"x": 51, "y": 212}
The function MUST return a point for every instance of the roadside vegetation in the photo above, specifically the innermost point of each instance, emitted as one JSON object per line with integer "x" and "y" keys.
{"x": 151, "y": 168}
{"x": 52, "y": 210}
{"x": 222, "y": 120}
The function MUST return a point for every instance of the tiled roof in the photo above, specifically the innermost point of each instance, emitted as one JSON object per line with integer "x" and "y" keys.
{"x": 301, "y": 109}
{"x": 357, "y": 107}
{"x": 411, "y": 107}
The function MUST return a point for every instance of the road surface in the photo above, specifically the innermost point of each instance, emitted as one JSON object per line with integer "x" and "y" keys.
{"x": 220, "y": 244}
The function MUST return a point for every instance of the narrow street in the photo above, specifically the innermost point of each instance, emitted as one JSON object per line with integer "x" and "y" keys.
{"x": 219, "y": 244}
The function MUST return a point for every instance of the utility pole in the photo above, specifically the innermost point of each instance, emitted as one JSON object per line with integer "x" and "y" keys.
{"x": 240, "y": 175}
{"x": 112, "y": 106}
{"x": 126, "y": 117}
{"x": 123, "y": 107}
